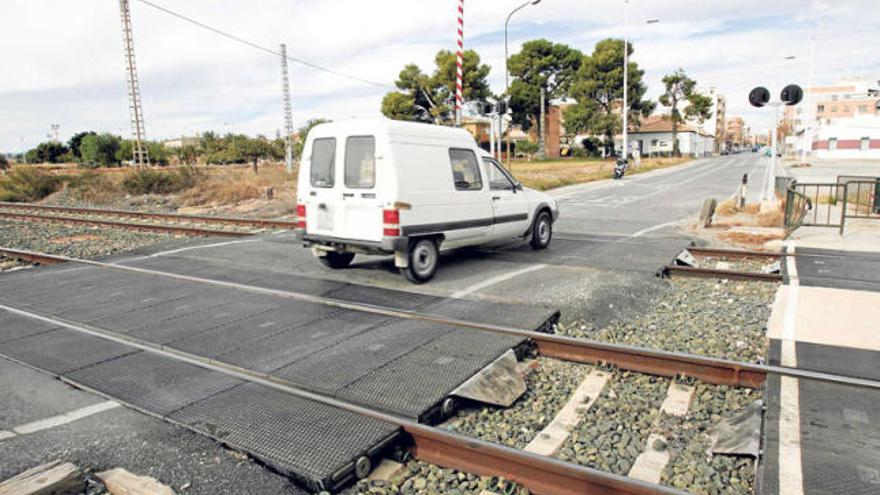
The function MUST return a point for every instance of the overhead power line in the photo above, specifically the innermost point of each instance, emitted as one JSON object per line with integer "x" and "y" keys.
{"x": 257, "y": 46}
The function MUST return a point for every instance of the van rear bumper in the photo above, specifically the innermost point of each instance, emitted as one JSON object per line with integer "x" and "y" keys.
{"x": 388, "y": 245}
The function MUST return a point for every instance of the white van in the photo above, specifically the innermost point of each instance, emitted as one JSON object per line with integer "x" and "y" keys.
{"x": 408, "y": 189}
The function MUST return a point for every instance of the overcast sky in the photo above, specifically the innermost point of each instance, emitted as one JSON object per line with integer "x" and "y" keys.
{"x": 63, "y": 62}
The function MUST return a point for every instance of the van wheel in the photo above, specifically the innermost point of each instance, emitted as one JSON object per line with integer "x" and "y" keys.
{"x": 337, "y": 260}
{"x": 542, "y": 231}
{"x": 424, "y": 256}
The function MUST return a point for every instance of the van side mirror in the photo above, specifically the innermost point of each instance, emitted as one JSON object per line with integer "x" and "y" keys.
{"x": 517, "y": 186}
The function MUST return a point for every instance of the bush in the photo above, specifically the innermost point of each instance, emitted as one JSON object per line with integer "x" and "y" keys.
{"x": 99, "y": 150}
{"x": 27, "y": 184}
{"x": 92, "y": 187}
{"x": 4, "y": 163}
{"x": 151, "y": 181}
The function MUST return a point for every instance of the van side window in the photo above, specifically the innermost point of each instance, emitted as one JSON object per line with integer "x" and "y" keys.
{"x": 498, "y": 177}
{"x": 465, "y": 170}
{"x": 323, "y": 172}
{"x": 360, "y": 162}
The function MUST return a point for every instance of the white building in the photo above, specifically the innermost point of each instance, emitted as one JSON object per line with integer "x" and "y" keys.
{"x": 654, "y": 137}
{"x": 715, "y": 125}
{"x": 856, "y": 137}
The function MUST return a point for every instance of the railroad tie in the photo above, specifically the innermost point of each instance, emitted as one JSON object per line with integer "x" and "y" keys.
{"x": 551, "y": 438}
{"x": 650, "y": 463}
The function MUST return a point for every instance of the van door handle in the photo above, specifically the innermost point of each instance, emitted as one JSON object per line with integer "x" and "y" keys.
{"x": 496, "y": 198}
{"x": 347, "y": 195}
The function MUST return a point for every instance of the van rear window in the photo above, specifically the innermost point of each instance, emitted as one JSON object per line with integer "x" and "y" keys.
{"x": 323, "y": 162}
{"x": 360, "y": 162}
{"x": 465, "y": 170}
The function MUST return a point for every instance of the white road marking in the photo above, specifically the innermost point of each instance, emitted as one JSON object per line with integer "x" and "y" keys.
{"x": 791, "y": 478}
{"x": 6, "y": 434}
{"x": 652, "y": 229}
{"x": 203, "y": 246}
{"x": 61, "y": 419}
{"x": 496, "y": 279}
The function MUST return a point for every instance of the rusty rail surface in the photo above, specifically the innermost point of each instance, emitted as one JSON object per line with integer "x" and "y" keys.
{"x": 734, "y": 253}
{"x": 254, "y": 222}
{"x": 689, "y": 271}
{"x": 168, "y": 229}
{"x": 40, "y": 258}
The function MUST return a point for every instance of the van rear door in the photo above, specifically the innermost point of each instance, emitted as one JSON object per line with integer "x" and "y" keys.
{"x": 321, "y": 201}
{"x": 360, "y": 215}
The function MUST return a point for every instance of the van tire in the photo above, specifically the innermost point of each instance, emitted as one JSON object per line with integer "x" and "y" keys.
{"x": 423, "y": 257}
{"x": 336, "y": 260}
{"x": 542, "y": 230}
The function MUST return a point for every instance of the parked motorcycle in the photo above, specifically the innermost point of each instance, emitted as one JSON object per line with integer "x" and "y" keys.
{"x": 619, "y": 169}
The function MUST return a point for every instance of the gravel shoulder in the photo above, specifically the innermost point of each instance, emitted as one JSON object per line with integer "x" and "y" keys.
{"x": 421, "y": 478}
{"x": 79, "y": 241}
{"x": 718, "y": 318}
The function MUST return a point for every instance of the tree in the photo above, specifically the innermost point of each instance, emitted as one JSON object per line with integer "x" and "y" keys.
{"x": 598, "y": 91}
{"x": 303, "y": 132}
{"x": 101, "y": 150}
{"x": 48, "y": 152}
{"x": 4, "y": 163}
{"x": 75, "y": 142}
{"x": 425, "y": 98}
{"x": 681, "y": 88}
{"x": 540, "y": 64}
{"x": 254, "y": 149}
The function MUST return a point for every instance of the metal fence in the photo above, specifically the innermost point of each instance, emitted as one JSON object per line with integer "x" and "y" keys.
{"x": 830, "y": 204}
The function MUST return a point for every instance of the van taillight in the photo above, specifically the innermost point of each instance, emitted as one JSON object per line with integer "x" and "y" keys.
{"x": 391, "y": 223}
{"x": 391, "y": 216}
{"x": 301, "y": 216}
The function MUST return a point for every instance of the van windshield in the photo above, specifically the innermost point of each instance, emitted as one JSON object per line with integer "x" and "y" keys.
{"x": 323, "y": 163}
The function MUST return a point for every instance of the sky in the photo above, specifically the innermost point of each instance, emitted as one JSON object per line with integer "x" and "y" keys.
{"x": 63, "y": 60}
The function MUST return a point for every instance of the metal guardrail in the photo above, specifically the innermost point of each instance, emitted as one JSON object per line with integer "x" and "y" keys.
{"x": 861, "y": 199}
{"x": 829, "y": 204}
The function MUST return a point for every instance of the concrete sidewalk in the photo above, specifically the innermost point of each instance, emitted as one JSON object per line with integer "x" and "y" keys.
{"x": 821, "y": 437}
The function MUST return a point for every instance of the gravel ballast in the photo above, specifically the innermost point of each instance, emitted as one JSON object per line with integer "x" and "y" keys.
{"x": 688, "y": 443}
{"x": 550, "y": 382}
{"x": 614, "y": 431}
{"x": 719, "y": 318}
{"x": 422, "y": 478}
{"x": 77, "y": 241}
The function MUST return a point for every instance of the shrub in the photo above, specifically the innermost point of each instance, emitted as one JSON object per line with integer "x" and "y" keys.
{"x": 4, "y": 163}
{"x": 148, "y": 181}
{"x": 27, "y": 184}
{"x": 92, "y": 187}
{"x": 151, "y": 181}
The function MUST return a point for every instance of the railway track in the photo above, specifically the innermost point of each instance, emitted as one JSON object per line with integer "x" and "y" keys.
{"x": 724, "y": 255}
{"x": 169, "y": 223}
{"x": 539, "y": 473}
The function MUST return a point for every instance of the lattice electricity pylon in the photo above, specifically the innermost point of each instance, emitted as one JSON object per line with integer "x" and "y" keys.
{"x": 140, "y": 156}
{"x": 288, "y": 114}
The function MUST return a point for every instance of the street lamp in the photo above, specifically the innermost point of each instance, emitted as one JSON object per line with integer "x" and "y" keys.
{"x": 625, "y": 108}
{"x": 506, "y": 56}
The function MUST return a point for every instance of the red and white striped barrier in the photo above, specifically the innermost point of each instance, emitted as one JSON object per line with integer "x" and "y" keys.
{"x": 458, "y": 74}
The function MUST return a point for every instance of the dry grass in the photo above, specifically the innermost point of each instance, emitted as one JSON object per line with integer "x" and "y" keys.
{"x": 233, "y": 185}
{"x": 751, "y": 239}
{"x": 550, "y": 174}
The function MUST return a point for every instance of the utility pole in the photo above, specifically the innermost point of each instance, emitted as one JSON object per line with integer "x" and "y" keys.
{"x": 541, "y": 152}
{"x": 140, "y": 156}
{"x": 288, "y": 116}
{"x": 625, "y": 108}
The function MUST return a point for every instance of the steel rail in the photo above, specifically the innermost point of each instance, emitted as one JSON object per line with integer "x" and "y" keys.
{"x": 256, "y": 222}
{"x": 639, "y": 359}
{"x": 168, "y": 229}
{"x": 43, "y": 259}
{"x": 540, "y": 474}
{"x": 690, "y": 271}
{"x": 734, "y": 253}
